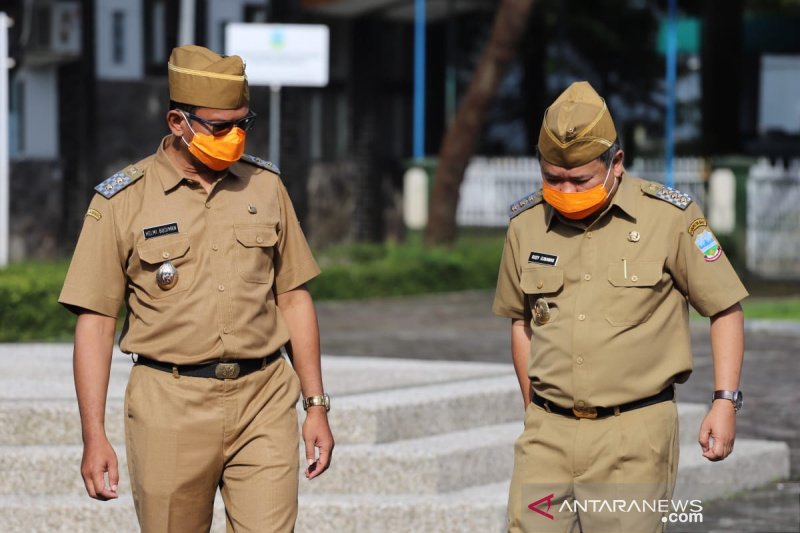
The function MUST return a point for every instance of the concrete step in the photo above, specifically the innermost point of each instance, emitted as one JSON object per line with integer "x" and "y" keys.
{"x": 371, "y": 417}
{"x": 478, "y": 509}
{"x": 361, "y": 418}
{"x": 425, "y": 465}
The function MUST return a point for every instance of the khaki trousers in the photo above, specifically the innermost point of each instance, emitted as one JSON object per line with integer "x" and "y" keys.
{"x": 186, "y": 436}
{"x": 567, "y": 468}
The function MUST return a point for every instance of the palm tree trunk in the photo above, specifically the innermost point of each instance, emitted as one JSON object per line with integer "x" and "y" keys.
{"x": 462, "y": 136}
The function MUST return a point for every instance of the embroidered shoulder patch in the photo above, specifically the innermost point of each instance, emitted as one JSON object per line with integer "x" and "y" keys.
{"x": 94, "y": 213}
{"x": 524, "y": 203}
{"x": 668, "y": 194}
{"x": 262, "y": 163}
{"x": 119, "y": 181}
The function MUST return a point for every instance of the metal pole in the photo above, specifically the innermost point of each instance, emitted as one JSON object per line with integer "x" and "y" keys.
{"x": 187, "y": 23}
{"x": 672, "y": 68}
{"x": 5, "y": 23}
{"x": 419, "y": 79}
{"x": 275, "y": 124}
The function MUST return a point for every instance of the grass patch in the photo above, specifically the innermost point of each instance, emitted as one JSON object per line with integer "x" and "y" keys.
{"x": 772, "y": 308}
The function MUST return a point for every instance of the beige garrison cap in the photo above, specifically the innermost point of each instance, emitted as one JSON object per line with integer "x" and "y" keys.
{"x": 200, "y": 77}
{"x": 577, "y": 128}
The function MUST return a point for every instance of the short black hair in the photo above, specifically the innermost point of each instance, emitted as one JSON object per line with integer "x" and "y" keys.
{"x": 606, "y": 157}
{"x": 183, "y": 107}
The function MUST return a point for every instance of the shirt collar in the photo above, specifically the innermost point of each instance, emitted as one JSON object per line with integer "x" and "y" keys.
{"x": 171, "y": 176}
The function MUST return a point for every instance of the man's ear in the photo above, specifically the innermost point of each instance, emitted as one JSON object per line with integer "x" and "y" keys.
{"x": 176, "y": 123}
{"x": 617, "y": 164}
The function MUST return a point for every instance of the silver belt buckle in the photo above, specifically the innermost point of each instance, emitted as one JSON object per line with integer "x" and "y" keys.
{"x": 227, "y": 370}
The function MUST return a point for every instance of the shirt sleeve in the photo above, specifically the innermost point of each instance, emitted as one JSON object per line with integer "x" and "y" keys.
{"x": 700, "y": 268}
{"x": 294, "y": 262}
{"x": 96, "y": 277}
{"x": 509, "y": 300}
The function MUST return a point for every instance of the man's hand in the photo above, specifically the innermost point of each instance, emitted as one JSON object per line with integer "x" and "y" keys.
{"x": 98, "y": 459}
{"x": 720, "y": 426}
{"x": 317, "y": 435}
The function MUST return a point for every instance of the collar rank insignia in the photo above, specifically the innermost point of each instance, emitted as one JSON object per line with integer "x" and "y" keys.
{"x": 119, "y": 181}
{"x": 524, "y": 203}
{"x": 262, "y": 163}
{"x": 668, "y": 194}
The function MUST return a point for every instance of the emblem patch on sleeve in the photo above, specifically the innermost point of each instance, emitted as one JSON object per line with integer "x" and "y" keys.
{"x": 696, "y": 224}
{"x": 708, "y": 245}
{"x": 94, "y": 213}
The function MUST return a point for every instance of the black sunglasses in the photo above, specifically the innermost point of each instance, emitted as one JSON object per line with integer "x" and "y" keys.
{"x": 220, "y": 128}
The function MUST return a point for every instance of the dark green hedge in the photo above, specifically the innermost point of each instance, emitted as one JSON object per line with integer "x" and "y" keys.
{"x": 28, "y": 292}
{"x": 29, "y": 310}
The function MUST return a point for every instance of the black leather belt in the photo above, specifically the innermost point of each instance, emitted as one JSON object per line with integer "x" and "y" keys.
{"x": 601, "y": 412}
{"x": 216, "y": 369}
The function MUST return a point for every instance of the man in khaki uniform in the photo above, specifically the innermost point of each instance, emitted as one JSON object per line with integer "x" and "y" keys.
{"x": 597, "y": 273}
{"x": 202, "y": 245}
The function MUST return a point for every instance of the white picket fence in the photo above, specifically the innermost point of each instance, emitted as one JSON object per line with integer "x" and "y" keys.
{"x": 492, "y": 184}
{"x": 773, "y": 219}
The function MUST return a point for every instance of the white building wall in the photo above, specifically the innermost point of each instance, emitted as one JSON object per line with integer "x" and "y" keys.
{"x": 119, "y": 35}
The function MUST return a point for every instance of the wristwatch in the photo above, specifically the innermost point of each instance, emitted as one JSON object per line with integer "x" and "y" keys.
{"x": 734, "y": 396}
{"x": 323, "y": 400}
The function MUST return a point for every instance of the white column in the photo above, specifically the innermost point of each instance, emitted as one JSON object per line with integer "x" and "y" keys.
{"x": 5, "y": 23}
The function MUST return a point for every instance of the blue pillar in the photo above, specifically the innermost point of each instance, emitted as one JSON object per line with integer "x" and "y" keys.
{"x": 419, "y": 79}
{"x": 672, "y": 68}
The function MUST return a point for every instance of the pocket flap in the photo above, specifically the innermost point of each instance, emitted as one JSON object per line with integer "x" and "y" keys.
{"x": 162, "y": 249}
{"x": 635, "y": 273}
{"x": 541, "y": 280}
{"x": 256, "y": 235}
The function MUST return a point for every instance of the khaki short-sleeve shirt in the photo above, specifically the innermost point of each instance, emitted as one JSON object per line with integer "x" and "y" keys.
{"x": 607, "y": 302}
{"x": 234, "y": 250}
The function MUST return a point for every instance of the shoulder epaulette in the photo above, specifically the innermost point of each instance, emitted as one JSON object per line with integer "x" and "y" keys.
{"x": 119, "y": 181}
{"x": 262, "y": 163}
{"x": 524, "y": 203}
{"x": 668, "y": 194}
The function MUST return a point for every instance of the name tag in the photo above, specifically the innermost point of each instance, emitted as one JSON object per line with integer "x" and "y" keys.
{"x": 543, "y": 259}
{"x": 159, "y": 231}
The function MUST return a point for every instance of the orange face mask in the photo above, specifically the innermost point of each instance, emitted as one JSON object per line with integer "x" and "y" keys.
{"x": 577, "y": 205}
{"x": 217, "y": 153}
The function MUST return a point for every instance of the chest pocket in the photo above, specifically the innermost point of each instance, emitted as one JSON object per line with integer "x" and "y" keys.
{"x": 543, "y": 283}
{"x": 254, "y": 251}
{"x": 635, "y": 291}
{"x": 152, "y": 255}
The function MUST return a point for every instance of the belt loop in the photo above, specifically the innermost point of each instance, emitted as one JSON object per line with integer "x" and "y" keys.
{"x": 175, "y": 373}
{"x": 616, "y": 411}
{"x": 547, "y": 406}
{"x": 264, "y": 363}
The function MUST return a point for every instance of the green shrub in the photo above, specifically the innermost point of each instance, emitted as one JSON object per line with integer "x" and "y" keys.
{"x": 29, "y": 310}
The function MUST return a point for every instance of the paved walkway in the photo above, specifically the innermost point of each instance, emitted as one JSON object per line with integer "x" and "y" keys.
{"x": 460, "y": 326}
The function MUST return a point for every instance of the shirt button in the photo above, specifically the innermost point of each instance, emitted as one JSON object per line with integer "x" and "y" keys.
{"x": 165, "y": 255}
{"x": 581, "y": 317}
{"x": 221, "y": 288}
{"x": 634, "y": 278}
{"x": 208, "y": 205}
{"x": 579, "y": 360}
{"x": 259, "y": 240}
{"x": 540, "y": 285}
{"x": 215, "y": 247}
{"x": 580, "y": 403}
{"x": 588, "y": 234}
{"x": 587, "y": 277}
{"x": 226, "y": 330}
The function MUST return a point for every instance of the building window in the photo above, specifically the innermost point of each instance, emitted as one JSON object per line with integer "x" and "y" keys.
{"x": 118, "y": 36}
